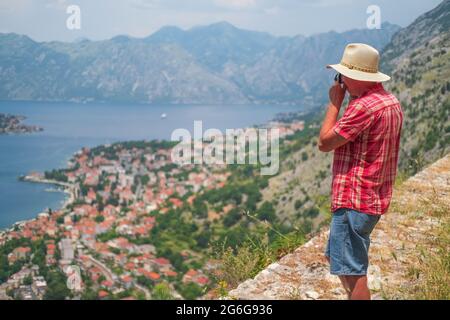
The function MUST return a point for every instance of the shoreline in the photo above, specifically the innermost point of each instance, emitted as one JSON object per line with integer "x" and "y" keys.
{"x": 67, "y": 188}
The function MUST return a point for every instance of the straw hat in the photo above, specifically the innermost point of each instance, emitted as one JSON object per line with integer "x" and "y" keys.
{"x": 360, "y": 62}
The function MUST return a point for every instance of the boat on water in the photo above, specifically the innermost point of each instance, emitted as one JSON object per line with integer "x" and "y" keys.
{"x": 163, "y": 116}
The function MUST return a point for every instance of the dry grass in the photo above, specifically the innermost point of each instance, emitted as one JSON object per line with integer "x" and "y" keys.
{"x": 236, "y": 267}
{"x": 253, "y": 256}
{"x": 430, "y": 277}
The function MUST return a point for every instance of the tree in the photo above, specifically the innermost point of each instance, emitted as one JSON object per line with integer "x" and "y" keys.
{"x": 100, "y": 204}
{"x": 190, "y": 291}
{"x": 267, "y": 212}
{"x": 28, "y": 280}
{"x": 56, "y": 286}
{"x": 232, "y": 217}
{"x": 312, "y": 212}
{"x": 203, "y": 239}
{"x": 162, "y": 292}
{"x": 304, "y": 156}
{"x": 99, "y": 218}
{"x": 89, "y": 294}
{"x": 200, "y": 209}
{"x": 145, "y": 180}
{"x": 144, "y": 281}
{"x": 298, "y": 204}
{"x": 57, "y": 175}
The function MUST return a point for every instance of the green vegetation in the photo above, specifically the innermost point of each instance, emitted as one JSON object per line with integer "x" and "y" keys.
{"x": 99, "y": 218}
{"x": 251, "y": 252}
{"x": 110, "y": 151}
{"x": 162, "y": 292}
{"x": 56, "y": 286}
{"x": 190, "y": 291}
{"x": 57, "y": 175}
{"x": 6, "y": 270}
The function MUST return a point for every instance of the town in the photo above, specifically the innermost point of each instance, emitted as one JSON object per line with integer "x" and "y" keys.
{"x": 135, "y": 225}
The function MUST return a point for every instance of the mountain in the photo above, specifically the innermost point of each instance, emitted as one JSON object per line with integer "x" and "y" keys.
{"x": 213, "y": 64}
{"x": 418, "y": 59}
{"x": 297, "y": 67}
{"x": 218, "y": 44}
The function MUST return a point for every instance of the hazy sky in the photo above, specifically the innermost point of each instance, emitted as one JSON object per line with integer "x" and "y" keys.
{"x": 100, "y": 19}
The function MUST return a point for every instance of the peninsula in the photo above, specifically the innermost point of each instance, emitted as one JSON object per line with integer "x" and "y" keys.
{"x": 13, "y": 124}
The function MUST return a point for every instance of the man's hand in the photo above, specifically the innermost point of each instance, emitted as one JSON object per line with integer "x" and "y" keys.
{"x": 337, "y": 94}
{"x": 328, "y": 139}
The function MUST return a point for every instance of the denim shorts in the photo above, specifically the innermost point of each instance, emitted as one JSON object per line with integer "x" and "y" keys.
{"x": 349, "y": 241}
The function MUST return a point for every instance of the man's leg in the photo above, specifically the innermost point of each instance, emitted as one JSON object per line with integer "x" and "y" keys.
{"x": 358, "y": 287}
{"x": 343, "y": 282}
{"x": 361, "y": 226}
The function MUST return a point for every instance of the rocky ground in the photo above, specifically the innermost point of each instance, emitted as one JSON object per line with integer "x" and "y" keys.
{"x": 397, "y": 242}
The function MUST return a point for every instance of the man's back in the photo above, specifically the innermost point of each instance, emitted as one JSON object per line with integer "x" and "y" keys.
{"x": 364, "y": 169}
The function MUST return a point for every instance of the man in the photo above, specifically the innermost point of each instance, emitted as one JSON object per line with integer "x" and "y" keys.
{"x": 366, "y": 145}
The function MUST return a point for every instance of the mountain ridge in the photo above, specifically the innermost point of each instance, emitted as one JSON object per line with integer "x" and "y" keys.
{"x": 215, "y": 64}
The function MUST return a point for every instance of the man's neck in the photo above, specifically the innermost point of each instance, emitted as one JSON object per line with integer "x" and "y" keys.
{"x": 369, "y": 87}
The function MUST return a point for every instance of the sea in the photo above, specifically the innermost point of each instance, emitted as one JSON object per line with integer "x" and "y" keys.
{"x": 70, "y": 126}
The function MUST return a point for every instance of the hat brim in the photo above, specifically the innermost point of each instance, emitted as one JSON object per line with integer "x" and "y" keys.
{"x": 359, "y": 75}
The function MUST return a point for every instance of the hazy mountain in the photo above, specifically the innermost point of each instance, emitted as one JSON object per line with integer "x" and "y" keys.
{"x": 218, "y": 44}
{"x": 214, "y": 64}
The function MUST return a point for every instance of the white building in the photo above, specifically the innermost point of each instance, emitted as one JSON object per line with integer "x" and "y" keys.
{"x": 66, "y": 248}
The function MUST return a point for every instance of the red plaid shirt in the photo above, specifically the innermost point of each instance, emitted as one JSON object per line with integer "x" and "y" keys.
{"x": 364, "y": 169}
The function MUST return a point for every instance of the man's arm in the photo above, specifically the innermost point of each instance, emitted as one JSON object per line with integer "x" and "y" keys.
{"x": 328, "y": 139}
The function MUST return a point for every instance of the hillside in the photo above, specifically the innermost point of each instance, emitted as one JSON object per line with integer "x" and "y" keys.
{"x": 213, "y": 64}
{"x": 409, "y": 251}
{"x": 418, "y": 60}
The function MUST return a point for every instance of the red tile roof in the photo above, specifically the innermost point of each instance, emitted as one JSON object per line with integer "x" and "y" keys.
{"x": 107, "y": 283}
{"x": 161, "y": 261}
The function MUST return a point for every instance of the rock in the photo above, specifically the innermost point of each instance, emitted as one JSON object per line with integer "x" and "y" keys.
{"x": 374, "y": 277}
{"x": 312, "y": 295}
{"x": 338, "y": 291}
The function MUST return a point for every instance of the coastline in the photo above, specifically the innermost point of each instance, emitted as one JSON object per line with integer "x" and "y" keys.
{"x": 67, "y": 188}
